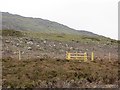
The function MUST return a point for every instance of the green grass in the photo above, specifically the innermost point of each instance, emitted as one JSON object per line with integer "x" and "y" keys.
{"x": 71, "y": 37}
{"x": 60, "y": 37}
{"x": 11, "y": 33}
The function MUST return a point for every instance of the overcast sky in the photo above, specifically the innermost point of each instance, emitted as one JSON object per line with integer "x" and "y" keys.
{"x": 97, "y": 16}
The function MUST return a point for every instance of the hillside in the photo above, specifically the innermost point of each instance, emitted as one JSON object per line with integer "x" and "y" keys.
{"x": 34, "y": 55}
{"x": 17, "y": 22}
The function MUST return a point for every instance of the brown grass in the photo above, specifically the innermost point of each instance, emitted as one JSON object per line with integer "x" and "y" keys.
{"x": 57, "y": 73}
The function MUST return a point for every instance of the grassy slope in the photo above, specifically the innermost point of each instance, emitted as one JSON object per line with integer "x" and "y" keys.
{"x": 71, "y": 37}
{"x": 61, "y": 37}
{"x": 17, "y": 22}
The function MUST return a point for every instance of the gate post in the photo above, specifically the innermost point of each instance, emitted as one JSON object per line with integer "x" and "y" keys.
{"x": 67, "y": 56}
{"x": 92, "y": 56}
{"x": 85, "y": 57}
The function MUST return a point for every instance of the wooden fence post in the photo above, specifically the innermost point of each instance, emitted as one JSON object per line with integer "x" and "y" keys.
{"x": 109, "y": 56}
{"x": 92, "y": 56}
{"x": 85, "y": 57}
{"x": 76, "y": 55}
{"x": 66, "y": 54}
{"x": 19, "y": 55}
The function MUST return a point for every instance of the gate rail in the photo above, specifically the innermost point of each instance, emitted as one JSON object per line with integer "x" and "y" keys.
{"x": 79, "y": 56}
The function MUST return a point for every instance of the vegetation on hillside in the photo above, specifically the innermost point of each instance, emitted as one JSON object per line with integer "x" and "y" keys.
{"x": 12, "y": 33}
{"x": 41, "y": 73}
{"x": 17, "y": 22}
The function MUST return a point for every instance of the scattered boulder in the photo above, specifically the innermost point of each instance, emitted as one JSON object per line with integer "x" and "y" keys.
{"x": 38, "y": 45}
{"x": 7, "y": 41}
{"x": 30, "y": 43}
{"x": 54, "y": 45}
{"x": 29, "y": 48}
{"x": 17, "y": 44}
{"x": 44, "y": 42}
{"x": 71, "y": 48}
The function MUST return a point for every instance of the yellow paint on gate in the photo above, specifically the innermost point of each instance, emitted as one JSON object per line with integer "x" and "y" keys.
{"x": 85, "y": 57}
{"x": 79, "y": 56}
{"x": 68, "y": 56}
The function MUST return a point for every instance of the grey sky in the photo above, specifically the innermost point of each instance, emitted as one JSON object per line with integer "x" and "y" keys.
{"x": 97, "y": 16}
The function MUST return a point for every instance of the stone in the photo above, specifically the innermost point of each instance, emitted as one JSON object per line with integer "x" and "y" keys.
{"x": 7, "y": 41}
{"x": 22, "y": 52}
{"x": 29, "y": 48}
{"x": 66, "y": 45}
{"x": 30, "y": 42}
{"x": 17, "y": 44}
{"x": 14, "y": 52}
{"x": 71, "y": 48}
{"x": 44, "y": 42}
{"x": 54, "y": 45}
{"x": 38, "y": 45}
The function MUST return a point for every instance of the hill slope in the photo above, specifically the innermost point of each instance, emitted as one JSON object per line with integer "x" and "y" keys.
{"x": 17, "y": 22}
{"x": 34, "y": 56}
